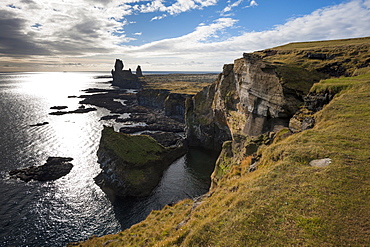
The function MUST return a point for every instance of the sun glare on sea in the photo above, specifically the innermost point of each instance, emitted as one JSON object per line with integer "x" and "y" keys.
{"x": 53, "y": 86}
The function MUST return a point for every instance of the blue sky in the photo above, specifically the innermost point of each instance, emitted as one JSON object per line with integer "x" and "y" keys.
{"x": 187, "y": 35}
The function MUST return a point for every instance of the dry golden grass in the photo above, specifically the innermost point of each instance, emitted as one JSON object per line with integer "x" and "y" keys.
{"x": 285, "y": 202}
{"x": 179, "y": 83}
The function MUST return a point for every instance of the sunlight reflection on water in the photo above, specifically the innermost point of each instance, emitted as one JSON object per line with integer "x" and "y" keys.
{"x": 73, "y": 207}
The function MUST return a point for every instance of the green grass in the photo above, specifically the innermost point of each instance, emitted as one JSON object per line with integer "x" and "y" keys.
{"x": 335, "y": 85}
{"x": 325, "y": 43}
{"x": 285, "y": 202}
{"x": 136, "y": 150}
{"x": 347, "y": 56}
{"x": 179, "y": 83}
{"x": 297, "y": 78}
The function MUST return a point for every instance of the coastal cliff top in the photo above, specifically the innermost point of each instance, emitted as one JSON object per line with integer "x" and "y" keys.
{"x": 179, "y": 83}
{"x": 287, "y": 201}
{"x": 335, "y": 58}
{"x": 133, "y": 150}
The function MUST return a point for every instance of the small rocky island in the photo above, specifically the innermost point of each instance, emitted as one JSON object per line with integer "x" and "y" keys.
{"x": 54, "y": 168}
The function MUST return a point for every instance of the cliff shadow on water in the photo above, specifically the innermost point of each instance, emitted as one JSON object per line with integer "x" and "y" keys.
{"x": 187, "y": 177}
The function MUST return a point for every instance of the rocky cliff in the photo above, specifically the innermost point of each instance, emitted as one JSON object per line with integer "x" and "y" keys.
{"x": 173, "y": 104}
{"x": 264, "y": 92}
{"x": 287, "y": 201}
{"x": 251, "y": 97}
{"x": 132, "y": 165}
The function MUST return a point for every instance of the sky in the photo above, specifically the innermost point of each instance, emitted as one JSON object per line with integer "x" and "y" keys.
{"x": 164, "y": 35}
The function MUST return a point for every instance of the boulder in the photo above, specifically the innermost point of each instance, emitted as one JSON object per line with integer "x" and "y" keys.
{"x": 54, "y": 168}
{"x": 320, "y": 162}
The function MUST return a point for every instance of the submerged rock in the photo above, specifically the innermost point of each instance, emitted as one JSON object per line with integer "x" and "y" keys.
{"x": 54, "y": 168}
{"x": 39, "y": 124}
{"x": 79, "y": 110}
{"x": 132, "y": 165}
{"x": 59, "y": 107}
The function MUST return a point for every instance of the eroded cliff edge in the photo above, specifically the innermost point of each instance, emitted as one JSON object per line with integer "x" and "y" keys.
{"x": 251, "y": 97}
{"x": 286, "y": 201}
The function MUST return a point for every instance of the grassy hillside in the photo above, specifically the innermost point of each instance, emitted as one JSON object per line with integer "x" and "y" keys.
{"x": 333, "y": 58}
{"x": 286, "y": 201}
{"x": 179, "y": 83}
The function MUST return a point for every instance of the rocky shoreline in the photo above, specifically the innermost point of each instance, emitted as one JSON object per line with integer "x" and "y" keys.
{"x": 148, "y": 115}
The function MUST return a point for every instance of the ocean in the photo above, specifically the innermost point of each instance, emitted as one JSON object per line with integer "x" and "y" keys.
{"x": 73, "y": 207}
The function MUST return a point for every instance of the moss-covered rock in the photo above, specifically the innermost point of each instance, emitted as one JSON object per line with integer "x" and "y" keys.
{"x": 132, "y": 165}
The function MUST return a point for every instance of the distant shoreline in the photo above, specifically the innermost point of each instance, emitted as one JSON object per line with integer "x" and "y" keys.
{"x": 164, "y": 73}
{"x": 108, "y": 73}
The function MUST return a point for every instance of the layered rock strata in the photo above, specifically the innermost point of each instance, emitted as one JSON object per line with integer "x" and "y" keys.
{"x": 248, "y": 99}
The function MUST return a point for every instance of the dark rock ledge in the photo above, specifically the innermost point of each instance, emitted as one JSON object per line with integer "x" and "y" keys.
{"x": 39, "y": 124}
{"x": 79, "y": 110}
{"x": 54, "y": 168}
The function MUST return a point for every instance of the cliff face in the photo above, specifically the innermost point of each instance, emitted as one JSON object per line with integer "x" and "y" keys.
{"x": 173, "y": 104}
{"x": 287, "y": 200}
{"x": 248, "y": 99}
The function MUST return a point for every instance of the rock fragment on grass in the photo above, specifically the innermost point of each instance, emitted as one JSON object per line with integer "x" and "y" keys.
{"x": 320, "y": 162}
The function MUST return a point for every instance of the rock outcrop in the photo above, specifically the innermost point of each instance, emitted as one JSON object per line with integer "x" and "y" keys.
{"x": 124, "y": 78}
{"x": 173, "y": 104}
{"x": 133, "y": 165}
{"x": 54, "y": 168}
{"x": 249, "y": 99}
{"x": 139, "y": 73}
{"x": 304, "y": 119}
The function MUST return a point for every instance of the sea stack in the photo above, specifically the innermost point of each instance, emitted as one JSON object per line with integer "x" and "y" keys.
{"x": 124, "y": 78}
{"x": 139, "y": 73}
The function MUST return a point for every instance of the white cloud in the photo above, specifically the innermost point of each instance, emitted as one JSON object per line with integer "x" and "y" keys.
{"x": 253, "y": 4}
{"x": 231, "y": 6}
{"x": 75, "y": 28}
{"x": 138, "y": 34}
{"x": 158, "y": 17}
{"x": 188, "y": 43}
{"x": 176, "y": 8}
{"x": 351, "y": 19}
{"x": 61, "y": 28}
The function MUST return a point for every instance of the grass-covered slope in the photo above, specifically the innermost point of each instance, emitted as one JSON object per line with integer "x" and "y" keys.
{"x": 333, "y": 57}
{"x": 285, "y": 202}
{"x": 135, "y": 150}
{"x": 179, "y": 83}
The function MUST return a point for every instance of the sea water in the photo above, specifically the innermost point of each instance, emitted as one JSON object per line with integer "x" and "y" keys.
{"x": 73, "y": 207}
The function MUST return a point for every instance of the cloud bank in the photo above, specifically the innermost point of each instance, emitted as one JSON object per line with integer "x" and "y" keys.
{"x": 347, "y": 20}
{"x": 74, "y": 30}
